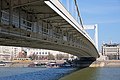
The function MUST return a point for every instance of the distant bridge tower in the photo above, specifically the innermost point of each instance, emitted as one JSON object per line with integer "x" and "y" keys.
{"x": 95, "y": 27}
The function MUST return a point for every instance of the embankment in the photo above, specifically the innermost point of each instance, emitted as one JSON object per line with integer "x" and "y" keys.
{"x": 107, "y": 63}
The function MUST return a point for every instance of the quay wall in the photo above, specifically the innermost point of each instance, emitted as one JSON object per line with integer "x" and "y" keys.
{"x": 106, "y": 63}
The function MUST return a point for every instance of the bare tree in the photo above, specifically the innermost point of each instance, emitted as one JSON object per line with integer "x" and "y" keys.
{"x": 51, "y": 57}
{"x": 59, "y": 56}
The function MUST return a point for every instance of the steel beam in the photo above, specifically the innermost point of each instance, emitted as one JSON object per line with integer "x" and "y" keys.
{"x": 0, "y": 10}
{"x": 19, "y": 17}
{"x": 31, "y": 5}
{"x": 95, "y": 27}
{"x": 57, "y": 21}
{"x": 42, "y": 13}
{"x": 10, "y": 12}
{"x": 96, "y": 35}
{"x": 26, "y": 3}
{"x": 74, "y": 29}
{"x": 89, "y": 27}
{"x": 63, "y": 25}
{"x": 50, "y": 17}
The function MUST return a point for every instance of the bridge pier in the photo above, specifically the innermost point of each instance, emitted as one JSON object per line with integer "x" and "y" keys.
{"x": 83, "y": 62}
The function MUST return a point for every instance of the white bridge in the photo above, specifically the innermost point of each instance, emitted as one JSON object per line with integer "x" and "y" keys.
{"x": 43, "y": 24}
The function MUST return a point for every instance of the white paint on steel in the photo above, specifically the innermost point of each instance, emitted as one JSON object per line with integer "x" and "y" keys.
{"x": 95, "y": 27}
{"x": 58, "y": 8}
{"x": 96, "y": 35}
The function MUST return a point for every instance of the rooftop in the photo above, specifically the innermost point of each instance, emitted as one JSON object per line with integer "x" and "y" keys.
{"x": 111, "y": 44}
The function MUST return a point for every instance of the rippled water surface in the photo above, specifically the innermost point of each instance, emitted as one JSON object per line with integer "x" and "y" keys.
{"x": 33, "y": 73}
{"x": 56, "y": 74}
{"x": 94, "y": 74}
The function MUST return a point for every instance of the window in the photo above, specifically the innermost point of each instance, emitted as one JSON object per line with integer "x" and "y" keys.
{"x": 45, "y": 52}
{"x": 36, "y": 52}
{"x": 39, "y": 52}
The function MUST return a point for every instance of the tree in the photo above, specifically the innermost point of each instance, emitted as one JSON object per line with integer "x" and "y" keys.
{"x": 66, "y": 56}
{"x": 59, "y": 56}
{"x": 33, "y": 57}
{"x": 51, "y": 57}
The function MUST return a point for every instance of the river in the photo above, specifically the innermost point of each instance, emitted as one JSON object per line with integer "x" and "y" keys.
{"x": 33, "y": 73}
{"x": 57, "y": 73}
{"x": 94, "y": 74}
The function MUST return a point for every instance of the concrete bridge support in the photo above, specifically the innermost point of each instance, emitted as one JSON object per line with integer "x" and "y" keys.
{"x": 83, "y": 62}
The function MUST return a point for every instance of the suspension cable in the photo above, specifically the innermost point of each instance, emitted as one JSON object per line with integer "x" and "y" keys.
{"x": 78, "y": 13}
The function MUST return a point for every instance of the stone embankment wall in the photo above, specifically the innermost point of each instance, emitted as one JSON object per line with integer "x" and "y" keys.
{"x": 107, "y": 63}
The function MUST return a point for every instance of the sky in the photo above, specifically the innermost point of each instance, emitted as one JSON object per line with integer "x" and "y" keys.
{"x": 105, "y": 13}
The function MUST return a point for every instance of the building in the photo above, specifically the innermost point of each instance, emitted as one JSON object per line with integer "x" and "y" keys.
{"x": 43, "y": 54}
{"x": 8, "y": 53}
{"x": 111, "y": 51}
{"x": 38, "y": 54}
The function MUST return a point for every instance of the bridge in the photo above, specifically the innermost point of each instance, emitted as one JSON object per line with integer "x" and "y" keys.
{"x": 43, "y": 24}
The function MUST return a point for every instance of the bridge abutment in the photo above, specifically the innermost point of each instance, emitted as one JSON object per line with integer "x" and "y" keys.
{"x": 83, "y": 62}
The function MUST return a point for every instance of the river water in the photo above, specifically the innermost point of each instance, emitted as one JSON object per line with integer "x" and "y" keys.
{"x": 94, "y": 74}
{"x": 33, "y": 73}
{"x": 57, "y": 73}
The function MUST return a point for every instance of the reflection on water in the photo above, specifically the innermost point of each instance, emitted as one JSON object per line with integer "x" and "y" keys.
{"x": 94, "y": 74}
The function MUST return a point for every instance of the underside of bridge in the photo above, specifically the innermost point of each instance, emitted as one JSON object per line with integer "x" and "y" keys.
{"x": 43, "y": 24}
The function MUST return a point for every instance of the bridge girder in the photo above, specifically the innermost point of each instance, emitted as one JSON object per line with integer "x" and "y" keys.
{"x": 39, "y": 29}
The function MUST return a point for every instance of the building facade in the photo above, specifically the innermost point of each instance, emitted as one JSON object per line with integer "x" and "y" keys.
{"x": 111, "y": 51}
{"x": 43, "y": 54}
{"x": 8, "y": 53}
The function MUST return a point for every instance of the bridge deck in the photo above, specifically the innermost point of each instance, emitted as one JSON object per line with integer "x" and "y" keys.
{"x": 43, "y": 24}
